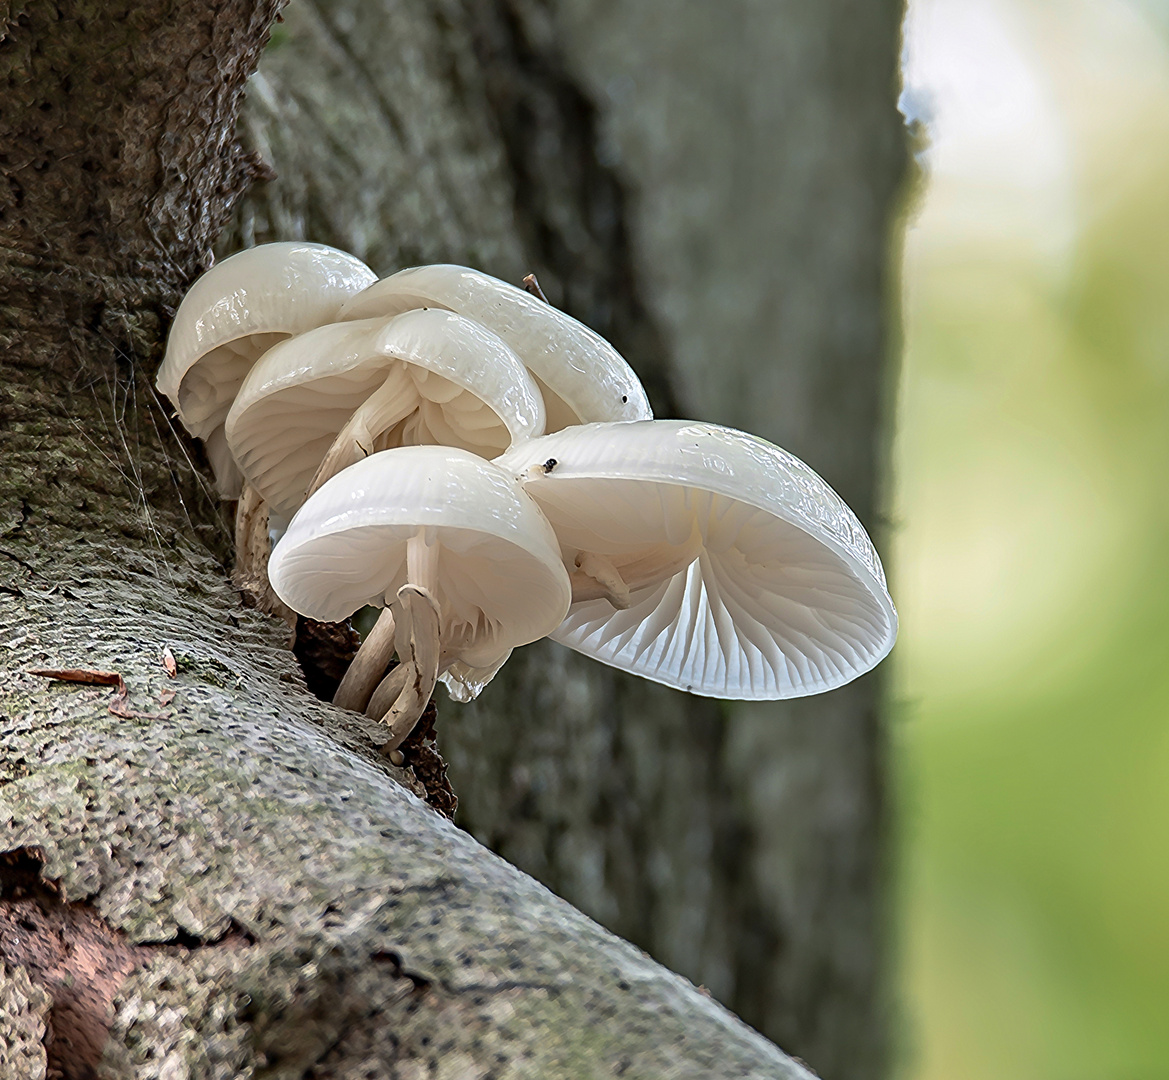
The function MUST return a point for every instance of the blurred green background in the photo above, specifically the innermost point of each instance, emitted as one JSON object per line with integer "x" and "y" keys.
{"x": 1031, "y": 561}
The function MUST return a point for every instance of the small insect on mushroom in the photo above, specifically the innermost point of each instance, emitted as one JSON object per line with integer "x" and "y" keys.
{"x": 708, "y": 560}
{"x": 545, "y": 468}
{"x": 463, "y": 560}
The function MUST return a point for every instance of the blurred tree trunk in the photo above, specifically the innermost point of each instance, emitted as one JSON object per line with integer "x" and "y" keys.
{"x": 712, "y": 187}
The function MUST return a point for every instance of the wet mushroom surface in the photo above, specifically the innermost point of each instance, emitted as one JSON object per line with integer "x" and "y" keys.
{"x": 464, "y": 562}
{"x": 232, "y": 315}
{"x": 458, "y": 453}
{"x": 328, "y": 398}
{"x": 708, "y": 559}
{"x": 580, "y": 375}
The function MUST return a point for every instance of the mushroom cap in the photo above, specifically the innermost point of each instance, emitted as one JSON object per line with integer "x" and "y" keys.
{"x": 582, "y": 377}
{"x": 239, "y": 309}
{"x": 460, "y": 385}
{"x": 500, "y": 582}
{"x": 786, "y": 596}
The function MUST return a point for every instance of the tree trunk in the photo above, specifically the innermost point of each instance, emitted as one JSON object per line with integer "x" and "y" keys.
{"x": 723, "y": 214}
{"x": 281, "y": 906}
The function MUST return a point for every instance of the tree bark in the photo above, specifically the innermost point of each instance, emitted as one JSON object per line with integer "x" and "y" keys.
{"x": 210, "y": 873}
{"x": 713, "y": 188}
{"x": 286, "y": 906}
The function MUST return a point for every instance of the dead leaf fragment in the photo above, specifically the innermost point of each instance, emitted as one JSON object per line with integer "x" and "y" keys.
{"x": 168, "y": 662}
{"x": 93, "y": 677}
{"x": 533, "y": 286}
{"x": 165, "y": 697}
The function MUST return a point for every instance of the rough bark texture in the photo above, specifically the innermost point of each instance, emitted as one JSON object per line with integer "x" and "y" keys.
{"x": 744, "y": 276}
{"x": 446, "y": 131}
{"x": 308, "y": 916}
{"x": 117, "y": 164}
{"x": 291, "y": 908}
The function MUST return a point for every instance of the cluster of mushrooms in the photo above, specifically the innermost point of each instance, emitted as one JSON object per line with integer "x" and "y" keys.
{"x": 485, "y": 469}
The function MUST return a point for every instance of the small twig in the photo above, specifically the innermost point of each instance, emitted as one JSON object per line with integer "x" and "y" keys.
{"x": 533, "y": 286}
{"x": 93, "y": 677}
{"x": 83, "y": 675}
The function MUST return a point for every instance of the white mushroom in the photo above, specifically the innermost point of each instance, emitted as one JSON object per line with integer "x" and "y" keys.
{"x": 420, "y": 526}
{"x": 232, "y": 315}
{"x": 707, "y": 559}
{"x": 582, "y": 377}
{"x": 331, "y": 396}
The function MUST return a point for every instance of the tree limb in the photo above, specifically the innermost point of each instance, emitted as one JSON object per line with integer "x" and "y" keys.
{"x": 353, "y": 923}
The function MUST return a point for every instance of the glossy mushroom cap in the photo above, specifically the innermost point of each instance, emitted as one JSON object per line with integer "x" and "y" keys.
{"x": 582, "y": 377}
{"x": 497, "y": 574}
{"x": 233, "y": 314}
{"x": 420, "y": 378}
{"x": 782, "y": 593}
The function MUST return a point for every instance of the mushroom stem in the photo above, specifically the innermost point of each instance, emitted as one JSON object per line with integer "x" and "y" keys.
{"x": 596, "y": 578}
{"x": 658, "y": 564}
{"x": 386, "y": 406}
{"x": 252, "y": 549}
{"x": 387, "y": 692}
{"x": 251, "y": 540}
{"x": 420, "y": 650}
{"x": 369, "y": 665}
{"x": 422, "y": 564}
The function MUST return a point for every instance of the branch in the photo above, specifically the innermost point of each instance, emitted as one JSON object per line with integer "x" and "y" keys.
{"x": 352, "y": 923}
